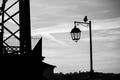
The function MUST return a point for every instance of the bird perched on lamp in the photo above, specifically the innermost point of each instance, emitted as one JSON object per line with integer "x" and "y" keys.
{"x": 85, "y": 19}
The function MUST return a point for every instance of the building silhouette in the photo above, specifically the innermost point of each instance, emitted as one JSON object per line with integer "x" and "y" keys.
{"x": 47, "y": 69}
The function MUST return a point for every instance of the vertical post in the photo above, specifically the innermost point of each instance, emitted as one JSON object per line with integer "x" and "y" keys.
{"x": 2, "y": 27}
{"x": 25, "y": 30}
{"x": 27, "y": 26}
{"x": 91, "y": 58}
{"x": 1, "y": 43}
{"x": 22, "y": 20}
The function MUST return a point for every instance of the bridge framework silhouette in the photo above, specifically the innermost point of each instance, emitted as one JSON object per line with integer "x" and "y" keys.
{"x": 20, "y": 60}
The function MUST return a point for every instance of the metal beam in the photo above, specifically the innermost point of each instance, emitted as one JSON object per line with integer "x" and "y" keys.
{"x": 25, "y": 36}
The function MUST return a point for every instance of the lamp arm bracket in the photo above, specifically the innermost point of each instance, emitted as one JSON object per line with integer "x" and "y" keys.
{"x": 85, "y": 24}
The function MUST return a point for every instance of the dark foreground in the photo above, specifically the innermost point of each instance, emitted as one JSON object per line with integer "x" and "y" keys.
{"x": 85, "y": 76}
{"x": 25, "y": 68}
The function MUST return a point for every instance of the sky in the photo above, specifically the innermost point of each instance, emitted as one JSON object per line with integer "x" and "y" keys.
{"x": 53, "y": 20}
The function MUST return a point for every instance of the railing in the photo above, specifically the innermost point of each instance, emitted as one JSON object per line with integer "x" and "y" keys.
{"x": 14, "y": 45}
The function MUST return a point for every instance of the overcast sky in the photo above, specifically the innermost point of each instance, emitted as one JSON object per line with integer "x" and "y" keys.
{"x": 53, "y": 20}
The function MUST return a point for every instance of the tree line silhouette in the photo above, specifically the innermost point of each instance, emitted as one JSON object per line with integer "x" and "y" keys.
{"x": 86, "y": 75}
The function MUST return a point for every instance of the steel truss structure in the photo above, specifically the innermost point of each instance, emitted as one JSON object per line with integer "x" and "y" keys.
{"x": 15, "y": 23}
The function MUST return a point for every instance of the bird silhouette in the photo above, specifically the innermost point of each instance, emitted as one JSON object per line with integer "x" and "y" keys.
{"x": 85, "y": 19}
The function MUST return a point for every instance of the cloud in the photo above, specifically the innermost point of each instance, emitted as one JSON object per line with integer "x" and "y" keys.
{"x": 60, "y": 28}
{"x": 101, "y": 38}
{"x": 66, "y": 9}
{"x": 66, "y": 27}
{"x": 49, "y": 36}
{"x": 102, "y": 25}
{"x": 46, "y": 32}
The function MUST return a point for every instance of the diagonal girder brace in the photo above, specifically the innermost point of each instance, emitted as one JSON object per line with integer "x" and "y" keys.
{"x": 12, "y": 33}
{"x": 11, "y": 16}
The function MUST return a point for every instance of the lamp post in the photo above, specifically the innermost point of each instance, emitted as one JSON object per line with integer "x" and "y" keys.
{"x": 76, "y": 34}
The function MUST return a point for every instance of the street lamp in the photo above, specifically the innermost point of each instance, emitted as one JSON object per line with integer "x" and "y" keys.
{"x": 76, "y": 34}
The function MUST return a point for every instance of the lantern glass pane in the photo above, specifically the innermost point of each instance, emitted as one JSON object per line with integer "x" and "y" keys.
{"x": 72, "y": 35}
{"x": 76, "y": 36}
{"x": 79, "y": 35}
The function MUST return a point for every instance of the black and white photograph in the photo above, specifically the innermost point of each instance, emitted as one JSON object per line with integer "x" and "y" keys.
{"x": 60, "y": 39}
